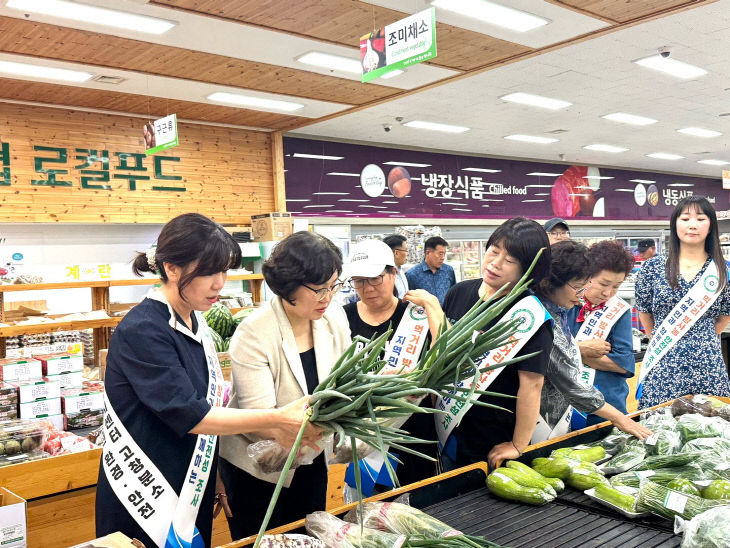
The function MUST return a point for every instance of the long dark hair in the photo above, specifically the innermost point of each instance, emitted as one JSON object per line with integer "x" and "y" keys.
{"x": 712, "y": 243}
{"x": 523, "y": 238}
{"x": 187, "y": 239}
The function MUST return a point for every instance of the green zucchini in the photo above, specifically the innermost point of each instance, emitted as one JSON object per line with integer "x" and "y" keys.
{"x": 552, "y": 467}
{"x": 591, "y": 454}
{"x": 555, "y": 483}
{"x": 527, "y": 480}
{"x": 617, "y": 498}
{"x": 507, "y": 488}
{"x": 584, "y": 479}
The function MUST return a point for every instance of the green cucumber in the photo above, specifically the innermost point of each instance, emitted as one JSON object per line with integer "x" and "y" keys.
{"x": 507, "y": 488}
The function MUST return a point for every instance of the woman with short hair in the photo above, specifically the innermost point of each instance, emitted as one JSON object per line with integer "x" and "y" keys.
{"x": 279, "y": 354}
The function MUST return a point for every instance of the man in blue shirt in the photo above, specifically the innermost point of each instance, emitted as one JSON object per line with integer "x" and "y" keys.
{"x": 432, "y": 274}
{"x": 397, "y": 243}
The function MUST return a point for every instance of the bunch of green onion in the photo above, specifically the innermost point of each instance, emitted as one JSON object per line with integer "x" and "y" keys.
{"x": 355, "y": 401}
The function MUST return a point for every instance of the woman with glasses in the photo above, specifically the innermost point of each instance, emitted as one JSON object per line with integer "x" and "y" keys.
{"x": 563, "y": 390}
{"x": 684, "y": 302}
{"x": 602, "y": 328}
{"x": 371, "y": 272}
{"x": 279, "y": 354}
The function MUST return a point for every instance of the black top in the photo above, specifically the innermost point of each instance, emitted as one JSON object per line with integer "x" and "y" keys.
{"x": 359, "y": 327}
{"x": 420, "y": 425}
{"x": 482, "y": 428}
{"x": 309, "y": 364}
{"x": 156, "y": 380}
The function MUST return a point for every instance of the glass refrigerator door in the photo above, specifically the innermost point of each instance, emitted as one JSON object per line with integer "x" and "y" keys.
{"x": 472, "y": 259}
{"x": 455, "y": 259}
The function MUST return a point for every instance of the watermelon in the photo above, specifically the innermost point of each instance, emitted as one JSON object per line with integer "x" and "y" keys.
{"x": 226, "y": 344}
{"x": 220, "y": 320}
{"x": 217, "y": 341}
{"x": 241, "y": 315}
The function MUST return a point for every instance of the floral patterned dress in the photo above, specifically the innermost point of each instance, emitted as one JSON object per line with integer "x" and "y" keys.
{"x": 695, "y": 364}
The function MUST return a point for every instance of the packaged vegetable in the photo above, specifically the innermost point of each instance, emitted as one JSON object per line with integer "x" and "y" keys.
{"x": 527, "y": 480}
{"x": 663, "y": 442}
{"x": 336, "y": 533}
{"x": 584, "y": 479}
{"x": 683, "y": 485}
{"x": 662, "y": 476}
{"x": 617, "y": 497}
{"x": 558, "y": 468}
{"x": 290, "y": 541}
{"x": 717, "y": 445}
{"x": 507, "y": 488}
{"x": 717, "y": 490}
{"x": 270, "y": 457}
{"x": 615, "y": 441}
{"x": 631, "y": 455}
{"x": 707, "y": 406}
{"x": 669, "y": 461}
{"x": 668, "y": 503}
{"x": 693, "y": 426}
{"x": 706, "y": 530}
{"x": 660, "y": 421}
{"x": 556, "y": 483}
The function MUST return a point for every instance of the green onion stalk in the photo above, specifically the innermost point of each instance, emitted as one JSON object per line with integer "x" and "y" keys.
{"x": 356, "y": 401}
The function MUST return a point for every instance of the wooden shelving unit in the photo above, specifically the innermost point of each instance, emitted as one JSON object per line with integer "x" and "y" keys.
{"x": 99, "y": 301}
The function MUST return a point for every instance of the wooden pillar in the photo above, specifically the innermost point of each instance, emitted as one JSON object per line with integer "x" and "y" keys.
{"x": 277, "y": 160}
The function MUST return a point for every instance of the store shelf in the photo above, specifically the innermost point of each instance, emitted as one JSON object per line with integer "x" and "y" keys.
{"x": 47, "y": 327}
{"x": 46, "y": 286}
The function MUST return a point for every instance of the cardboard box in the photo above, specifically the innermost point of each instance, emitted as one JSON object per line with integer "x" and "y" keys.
{"x": 20, "y": 369}
{"x": 68, "y": 381}
{"x": 29, "y": 391}
{"x": 75, "y": 349}
{"x": 271, "y": 226}
{"x": 75, "y": 401}
{"x": 42, "y": 408}
{"x": 115, "y": 540}
{"x": 59, "y": 421}
{"x": 84, "y": 419}
{"x": 57, "y": 364}
{"x": 13, "y": 529}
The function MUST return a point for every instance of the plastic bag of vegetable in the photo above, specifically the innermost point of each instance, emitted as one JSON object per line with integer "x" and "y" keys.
{"x": 290, "y": 541}
{"x": 270, "y": 457}
{"x": 661, "y": 476}
{"x": 660, "y": 421}
{"x": 631, "y": 455}
{"x": 668, "y": 461}
{"x": 693, "y": 426}
{"x": 615, "y": 441}
{"x": 505, "y": 487}
{"x": 706, "y": 530}
{"x": 663, "y": 442}
{"x": 666, "y": 502}
{"x": 336, "y": 533}
{"x": 716, "y": 445}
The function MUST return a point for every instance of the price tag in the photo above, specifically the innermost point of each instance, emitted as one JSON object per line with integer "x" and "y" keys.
{"x": 722, "y": 467}
{"x": 644, "y": 474}
{"x": 675, "y": 502}
{"x": 581, "y": 472}
{"x": 651, "y": 440}
{"x": 581, "y": 447}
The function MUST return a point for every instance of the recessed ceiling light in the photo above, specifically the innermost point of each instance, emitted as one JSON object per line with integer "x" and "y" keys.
{"x": 713, "y": 162}
{"x": 598, "y": 177}
{"x": 392, "y": 74}
{"x": 48, "y": 73}
{"x": 531, "y": 139}
{"x": 665, "y": 156}
{"x": 605, "y": 148}
{"x": 332, "y": 62}
{"x": 495, "y": 14}
{"x": 316, "y": 156}
{"x": 405, "y": 164}
{"x": 481, "y": 170}
{"x": 671, "y": 66}
{"x": 632, "y": 119}
{"x": 535, "y": 100}
{"x": 544, "y": 174}
{"x": 699, "y": 132}
{"x": 433, "y": 126}
{"x": 255, "y": 103}
{"x": 93, "y": 14}
{"x": 645, "y": 181}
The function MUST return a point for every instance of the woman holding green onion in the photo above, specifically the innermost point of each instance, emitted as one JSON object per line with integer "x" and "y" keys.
{"x": 279, "y": 354}
{"x": 372, "y": 272}
{"x": 486, "y": 433}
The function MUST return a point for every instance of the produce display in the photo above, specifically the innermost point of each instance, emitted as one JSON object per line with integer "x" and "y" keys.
{"x": 707, "y": 530}
{"x": 220, "y": 320}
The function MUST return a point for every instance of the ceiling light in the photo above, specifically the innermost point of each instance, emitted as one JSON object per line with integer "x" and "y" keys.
{"x": 298, "y": 200}
{"x": 538, "y": 186}
{"x": 535, "y": 100}
{"x": 459, "y": 209}
{"x": 255, "y": 103}
{"x": 93, "y": 14}
{"x": 665, "y": 156}
{"x": 623, "y": 190}
{"x": 632, "y": 119}
{"x": 599, "y": 177}
{"x": 685, "y": 185}
{"x": 323, "y": 205}
{"x": 645, "y": 181}
{"x": 495, "y": 14}
{"x": 47, "y": 73}
{"x": 713, "y": 162}
{"x": 352, "y": 200}
{"x": 670, "y": 66}
{"x": 330, "y": 193}
{"x": 544, "y": 174}
{"x": 699, "y": 132}
{"x": 531, "y": 139}
{"x": 433, "y": 126}
{"x": 531, "y": 201}
{"x": 342, "y": 174}
{"x": 605, "y": 148}
{"x": 481, "y": 170}
{"x": 316, "y": 156}
{"x": 332, "y": 62}
{"x": 392, "y": 74}
{"x": 405, "y": 164}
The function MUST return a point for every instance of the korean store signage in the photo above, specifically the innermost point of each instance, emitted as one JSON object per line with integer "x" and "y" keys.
{"x": 399, "y": 45}
{"x": 94, "y": 169}
{"x": 160, "y": 134}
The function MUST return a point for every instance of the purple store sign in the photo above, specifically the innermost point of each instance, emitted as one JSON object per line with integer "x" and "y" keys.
{"x": 345, "y": 180}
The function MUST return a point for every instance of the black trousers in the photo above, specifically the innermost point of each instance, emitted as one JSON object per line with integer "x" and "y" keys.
{"x": 249, "y": 497}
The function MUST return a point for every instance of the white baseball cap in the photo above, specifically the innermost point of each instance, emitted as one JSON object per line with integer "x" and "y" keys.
{"x": 368, "y": 259}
